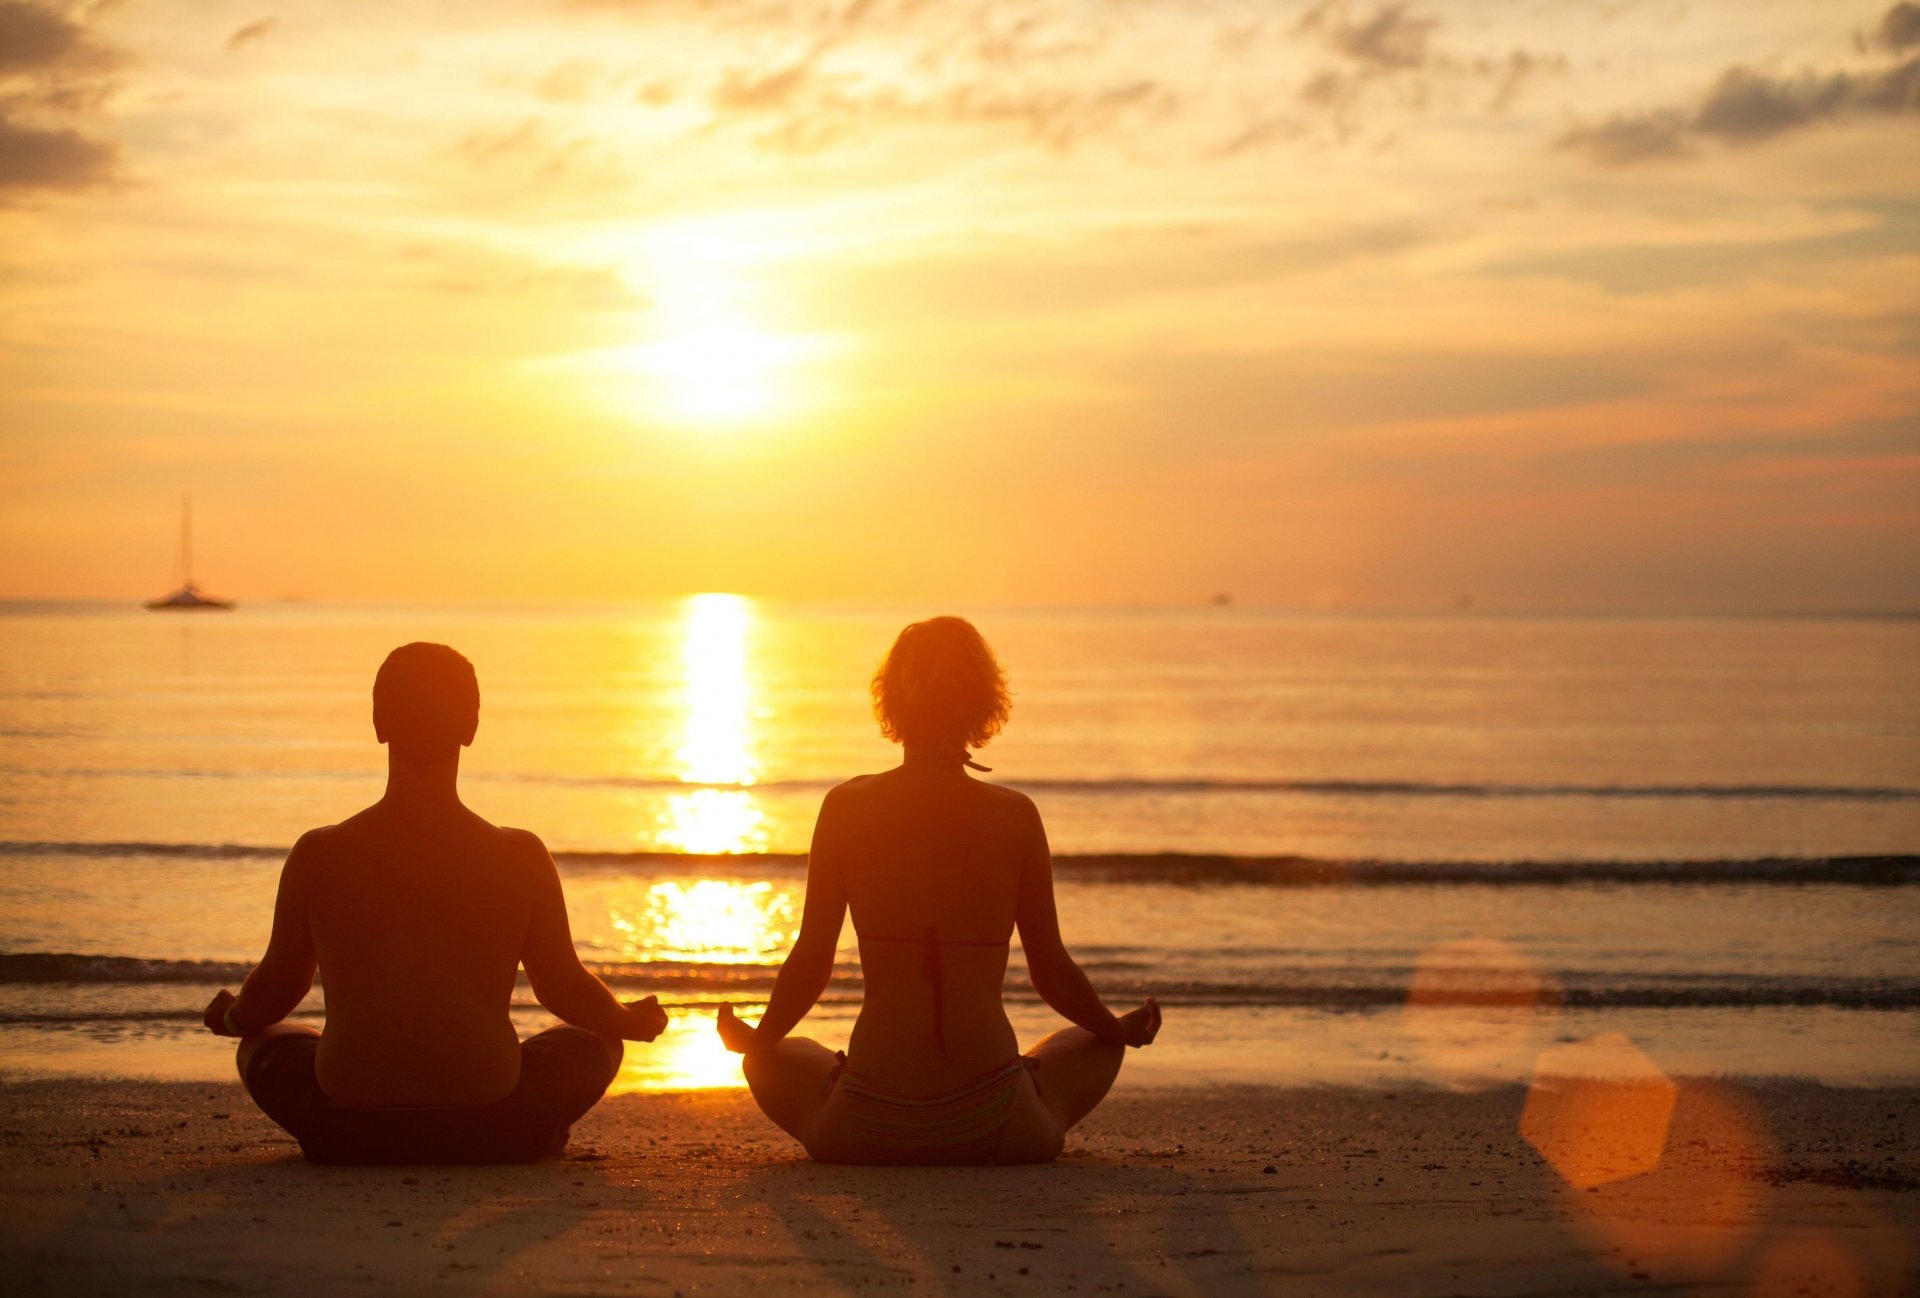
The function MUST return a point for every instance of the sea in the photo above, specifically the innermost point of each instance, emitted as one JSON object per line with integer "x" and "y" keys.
{"x": 1340, "y": 848}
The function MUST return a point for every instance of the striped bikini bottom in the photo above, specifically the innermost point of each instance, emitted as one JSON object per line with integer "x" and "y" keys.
{"x": 961, "y": 1125}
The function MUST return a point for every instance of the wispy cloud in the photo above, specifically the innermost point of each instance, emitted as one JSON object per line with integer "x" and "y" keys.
{"x": 1391, "y": 39}
{"x": 1747, "y": 106}
{"x": 250, "y": 33}
{"x": 33, "y": 37}
{"x": 52, "y": 74}
{"x": 800, "y": 109}
{"x": 32, "y": 158}
{"x": 1393, "y": 50}
{"x": 1899, "y": 28}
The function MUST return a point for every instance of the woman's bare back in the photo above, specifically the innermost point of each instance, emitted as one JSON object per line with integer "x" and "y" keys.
{"x": 931, "y": 862}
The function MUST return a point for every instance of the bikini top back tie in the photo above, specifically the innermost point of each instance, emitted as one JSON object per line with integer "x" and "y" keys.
{"x": 933, "y": 970}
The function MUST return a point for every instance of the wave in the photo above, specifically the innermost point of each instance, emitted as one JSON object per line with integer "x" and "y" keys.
{"x": 1123, "y": 785}
{"x": 1283, "y": 986}
{"x": 1190, "y": 868}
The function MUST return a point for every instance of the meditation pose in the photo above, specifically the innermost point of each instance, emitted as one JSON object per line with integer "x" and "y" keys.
{"x": 937, "y": 869}
{"x": 417, "y": 915}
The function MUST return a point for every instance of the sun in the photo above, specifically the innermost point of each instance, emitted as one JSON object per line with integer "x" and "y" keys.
{"x": 718, "y": 373}
{"x": 715, "y": 349}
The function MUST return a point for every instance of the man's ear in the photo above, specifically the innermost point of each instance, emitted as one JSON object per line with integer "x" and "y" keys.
{"x": 379, "y": 731}
{"x": 466, "y": 737}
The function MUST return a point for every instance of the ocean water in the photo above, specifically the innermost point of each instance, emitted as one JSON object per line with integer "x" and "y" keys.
{"x": 1338, "y": 848}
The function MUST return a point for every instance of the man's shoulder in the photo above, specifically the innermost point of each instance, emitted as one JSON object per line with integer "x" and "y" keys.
{"x": 516, "y": 842}
{"x": 323, "y": 839}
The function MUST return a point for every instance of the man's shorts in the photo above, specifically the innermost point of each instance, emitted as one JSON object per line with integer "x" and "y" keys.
{"x": 563, "y": 1072}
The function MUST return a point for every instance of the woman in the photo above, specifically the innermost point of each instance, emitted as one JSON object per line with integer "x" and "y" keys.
{"x": 937, "y": 869}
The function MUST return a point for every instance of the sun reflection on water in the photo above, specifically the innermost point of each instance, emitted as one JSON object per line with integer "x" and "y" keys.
{"x": 716, "y": 746}
{"x": 688, "y": 1056}
{"x": 712, "y": 921}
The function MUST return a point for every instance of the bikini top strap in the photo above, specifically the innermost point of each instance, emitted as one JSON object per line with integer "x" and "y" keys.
{"x": 933, "y": 971}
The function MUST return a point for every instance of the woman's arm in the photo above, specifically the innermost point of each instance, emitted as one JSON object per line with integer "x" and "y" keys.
{"x": 560, "y": 982}
{"x": 809, "y": 966}
{"x": 1057, "y": 979}
{"x": 275, "y": 987}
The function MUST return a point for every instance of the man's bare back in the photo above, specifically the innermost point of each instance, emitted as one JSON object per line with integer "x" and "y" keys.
{"x": 420, "y": 924}
{"x": 417, "y": 914}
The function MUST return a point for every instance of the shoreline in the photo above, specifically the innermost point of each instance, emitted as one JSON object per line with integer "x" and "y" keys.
{"x": 116, "y": 1187}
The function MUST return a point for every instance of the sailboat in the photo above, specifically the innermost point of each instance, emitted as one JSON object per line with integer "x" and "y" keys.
{"x": 188, "y": 599}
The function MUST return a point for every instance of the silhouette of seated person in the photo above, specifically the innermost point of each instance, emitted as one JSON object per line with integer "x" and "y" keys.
{"x": 937, "y": 870}
{"x": 417, "y": 914}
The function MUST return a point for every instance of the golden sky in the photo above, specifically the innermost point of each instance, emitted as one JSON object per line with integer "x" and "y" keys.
{"x": 1332, "y": 304}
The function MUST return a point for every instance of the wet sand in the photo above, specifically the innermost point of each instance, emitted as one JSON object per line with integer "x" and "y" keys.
{"x": 1770, "y": 1188}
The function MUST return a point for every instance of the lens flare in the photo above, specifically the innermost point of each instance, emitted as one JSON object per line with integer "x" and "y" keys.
{"x": 1476, "y": 1009}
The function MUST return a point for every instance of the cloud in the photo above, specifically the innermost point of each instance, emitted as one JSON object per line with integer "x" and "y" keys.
{"x": 50, "y": 68}
{"x": 1870, "y": 231}
{"x": 1512, "y": 75}
{"x": 1745, "y": 106}
{"x": 753, "y": 92}
{"x": 1899, "y": 28}
{"x": 810, "y": 110}
{"x": 1392, "y": 39}
{"x": 32, "y": 37}
{"x": 58, "y": 159}
{"x": 1629, "y": 138}
{"x": 1392, "y": 50}
{"x": 251, "y": 33}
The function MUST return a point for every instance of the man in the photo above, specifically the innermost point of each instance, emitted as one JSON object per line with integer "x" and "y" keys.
{"x": 417, "y": 914}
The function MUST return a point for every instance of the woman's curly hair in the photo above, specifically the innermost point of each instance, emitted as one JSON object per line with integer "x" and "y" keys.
{"x": 940, "y": 686}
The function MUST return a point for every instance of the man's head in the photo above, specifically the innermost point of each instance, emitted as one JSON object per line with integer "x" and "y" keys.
{"x": 426, "y": 701}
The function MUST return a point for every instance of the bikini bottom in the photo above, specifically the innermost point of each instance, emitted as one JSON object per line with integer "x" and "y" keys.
{"x": 960, "y": 1125}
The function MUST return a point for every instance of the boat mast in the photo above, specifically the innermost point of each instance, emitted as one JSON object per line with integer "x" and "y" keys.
{"x": 186, "y": 540}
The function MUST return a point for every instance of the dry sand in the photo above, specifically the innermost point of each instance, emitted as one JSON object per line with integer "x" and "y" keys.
{"x": 116, "y": 1188}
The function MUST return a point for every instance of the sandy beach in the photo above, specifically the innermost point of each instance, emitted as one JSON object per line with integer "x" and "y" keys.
{"x": 1774, "y": 1188}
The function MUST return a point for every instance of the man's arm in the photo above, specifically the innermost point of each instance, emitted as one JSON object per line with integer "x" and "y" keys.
{"x": 1057, "y": 977}
{"x": 275, "y": 987}
{"x": 808, "y": 967}
{"x": 560, "y": 981}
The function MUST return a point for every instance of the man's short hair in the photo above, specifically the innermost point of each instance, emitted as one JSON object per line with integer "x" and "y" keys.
{"x": 425, "y": 698}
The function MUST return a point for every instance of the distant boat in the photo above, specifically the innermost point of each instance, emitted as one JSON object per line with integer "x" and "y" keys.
{"x": 188, "y": 599}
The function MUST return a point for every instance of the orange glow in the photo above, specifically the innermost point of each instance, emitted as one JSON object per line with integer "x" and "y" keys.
{"x": 688, "y": 1056}
{"x": 796, "y": 306}
{"x": 1681, "y": 1196}
{"x": 718, "y": 921}
{"x": 1474, "y": 1009}
{"x": 1598, "y": 1111}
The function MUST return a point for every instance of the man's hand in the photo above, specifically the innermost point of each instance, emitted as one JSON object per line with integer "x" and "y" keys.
{"x": 215, "y": 1018}
{"x": 1139, "y": 1027}
{"x": 645, "y": 1019}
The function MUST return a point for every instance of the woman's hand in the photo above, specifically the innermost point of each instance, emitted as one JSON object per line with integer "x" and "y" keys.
{"x": 736, "y": 1034}
{"x": 645, "y": 1019}
{"x": 1139, "y": 1027}
{"x": 215, "y": 1017}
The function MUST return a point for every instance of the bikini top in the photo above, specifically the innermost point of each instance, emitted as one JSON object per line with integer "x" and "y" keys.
{"x": 931, "y": 941}
{"x": 931, "y": 969}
